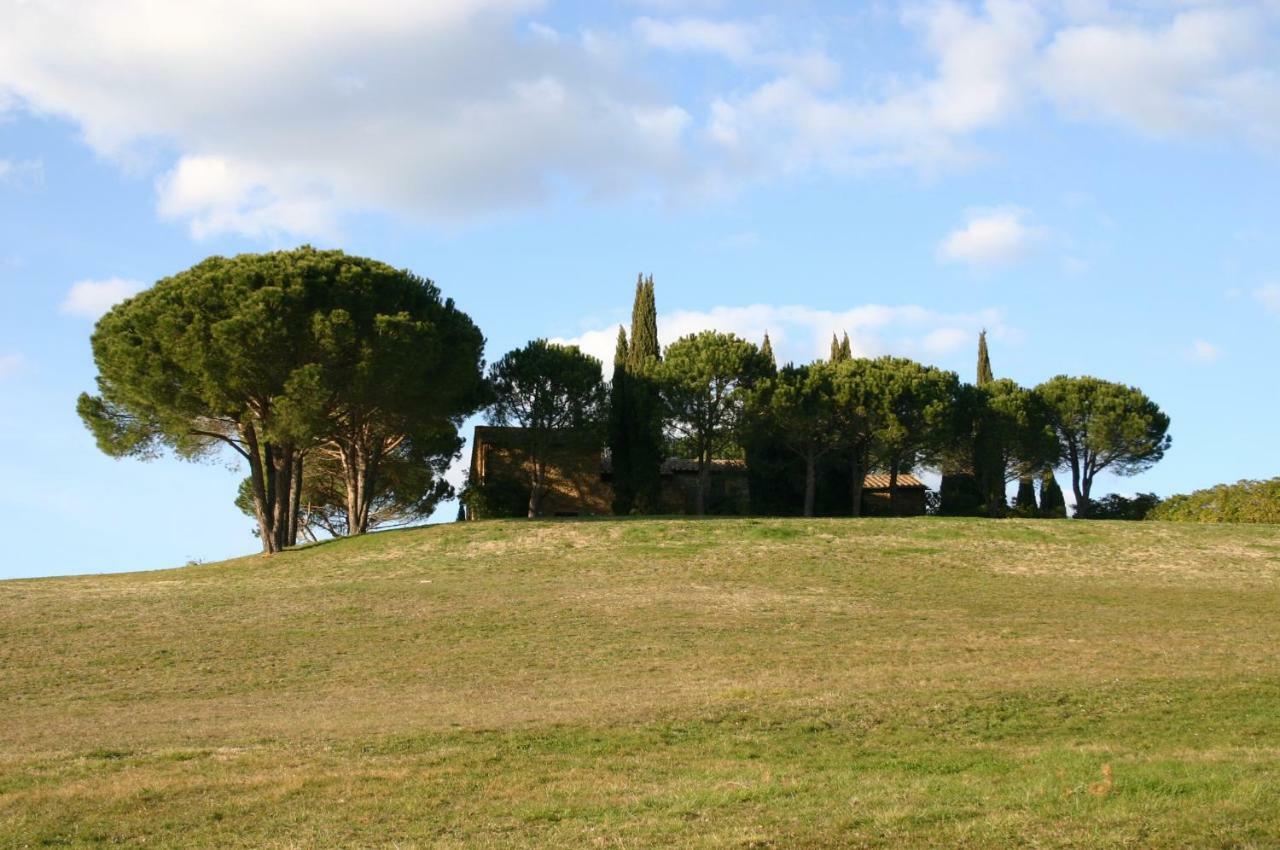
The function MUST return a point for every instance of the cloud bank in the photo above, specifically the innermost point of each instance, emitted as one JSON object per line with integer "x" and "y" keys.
{"x": 271, "y": 118}
{"x": 92, "y": 298}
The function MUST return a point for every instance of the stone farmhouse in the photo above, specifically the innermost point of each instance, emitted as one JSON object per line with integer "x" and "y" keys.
{"x": 580, "y": 479}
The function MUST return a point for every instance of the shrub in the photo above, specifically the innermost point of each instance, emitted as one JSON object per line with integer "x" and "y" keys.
{"x": 502, "y": 497}
{"x": 1116, "y": 506}
{"x": 959, "y": 495}
{"x": 1244, "y": 501}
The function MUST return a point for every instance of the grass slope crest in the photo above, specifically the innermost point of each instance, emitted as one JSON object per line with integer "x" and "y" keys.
{"x": 627, "y": 683}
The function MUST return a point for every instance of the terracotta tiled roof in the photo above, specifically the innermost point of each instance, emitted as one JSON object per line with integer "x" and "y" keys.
{"x": 878, "y": 481}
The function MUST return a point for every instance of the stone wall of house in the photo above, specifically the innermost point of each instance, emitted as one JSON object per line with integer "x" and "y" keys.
{"x": 729, "y": 494}
{"x": 575, "y": 487}
{"x": 911, "y": 502}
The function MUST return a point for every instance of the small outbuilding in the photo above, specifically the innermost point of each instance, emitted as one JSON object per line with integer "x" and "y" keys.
{"x": 877, "y": 501}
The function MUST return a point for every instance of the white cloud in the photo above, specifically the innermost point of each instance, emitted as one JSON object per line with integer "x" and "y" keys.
{"x": 1205, "y": 352}
{"x": 10, "y": 364}
{"x": 802, "y": 334}
{"x": 21, "y": 173}
{"x": 92, "y": 298}
{"x": 734, "y": 40}
{"x": 1269, "y": 297}
{"x": 946, "y": 340}
{"x": 991, "y": 237}
{"x": 283, "y": 117}
{"x": 215, "y": 195}
{"x": 287, "y": 116}
{"x": 1207, "y": 72}
{"x": 787, "y": 124}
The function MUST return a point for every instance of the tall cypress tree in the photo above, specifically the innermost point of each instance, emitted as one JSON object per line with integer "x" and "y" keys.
{"x": 1026, "y": 484}
{"x": 766, "y": 351}
{"x": 985, "y": 375}
{"x": 988, "y": 459}
{"x": 841, "y": 350}
{"x": 644, "y": 411}
{"x": 968, "y": 483}
{"x": 1026, "y": 500}
{"x": 620, "y": 428}
{"x": 644, "y": 326}
{"x": 1052, "y": 503}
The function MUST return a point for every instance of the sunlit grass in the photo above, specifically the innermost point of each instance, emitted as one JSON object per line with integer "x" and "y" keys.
{"x": 632, "y": 683}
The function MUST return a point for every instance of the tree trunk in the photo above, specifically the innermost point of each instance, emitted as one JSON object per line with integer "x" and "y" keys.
{"x": 994, "y": 490}
{"x": 538, "y": 490}
{"x": 1079, "y": 490}
{"x": 282, "y": 499}
{"x": 369, "y": 484}
{"x": 893, "y": 488}
{"x": 810, "y": 482}
{"x": 858, "y": 471}
{"x": 704, "y": 482}
{"x": 258, "y": 478}
{"x": 1084, "y": 507}
{"x": 360, "y": 462}
{"x": 353, "y": 479}
{"x": 295, "y": 498}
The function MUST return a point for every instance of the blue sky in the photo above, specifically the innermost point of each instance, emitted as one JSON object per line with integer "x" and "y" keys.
{"x": 1092, "y": 182}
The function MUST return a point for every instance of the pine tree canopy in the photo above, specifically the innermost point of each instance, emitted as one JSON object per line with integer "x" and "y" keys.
{"x": 1103, "y": 425}
{"x": 282, "y": 355}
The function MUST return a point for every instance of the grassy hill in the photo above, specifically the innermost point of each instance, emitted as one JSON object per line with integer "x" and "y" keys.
{"x": 725, "y": 683}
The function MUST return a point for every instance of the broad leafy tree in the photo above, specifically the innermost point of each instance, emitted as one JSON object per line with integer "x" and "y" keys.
{"x": 203, "y": 360}
{"x": 1100, "y": 425}
{"x": 914, "y": 406}
{"x": 704, "y": 379}
{"x": 1013, "y": 440}
{"x": 410, "y": 485}
{"x": 802, "y": 407}
{"x": 961, "y": 461}
{"x": 280, "y": 356}
{"x": 395, "y": 368}
{"x": 545, "y": 388}
{"x": 860, "y": 386}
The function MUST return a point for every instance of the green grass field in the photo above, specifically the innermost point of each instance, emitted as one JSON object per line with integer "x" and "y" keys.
{"x": 719, "y": 683}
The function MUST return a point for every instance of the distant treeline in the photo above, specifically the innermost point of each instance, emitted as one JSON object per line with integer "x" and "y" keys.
{"x": 342, "y": 384}
{"x": 810, "y": 432}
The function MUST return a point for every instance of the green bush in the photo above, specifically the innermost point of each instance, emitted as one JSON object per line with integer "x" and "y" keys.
{"x": 959, "y": 495}
{"x": 1115, "y": 506}
{"x": 502, "y": 497}
{"x": 1244, "y": 501}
